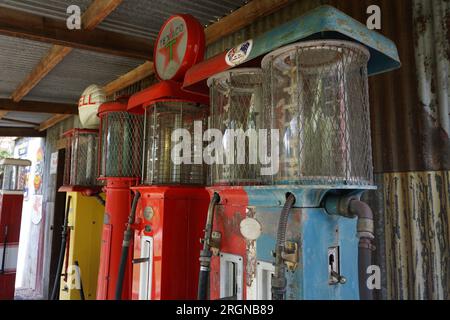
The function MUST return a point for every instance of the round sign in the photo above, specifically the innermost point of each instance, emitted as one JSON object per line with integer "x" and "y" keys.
{"x": 179, "y": 46}
{"x": 250, "y": 228}
{"x": 88, "y": 106}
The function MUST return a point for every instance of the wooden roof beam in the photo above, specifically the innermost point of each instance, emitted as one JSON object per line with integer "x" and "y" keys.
{"x": 20, "y": 132}
{"x": 7, "y": 105}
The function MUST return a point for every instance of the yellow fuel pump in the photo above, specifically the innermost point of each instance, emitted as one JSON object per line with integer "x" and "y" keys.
{"x": 79, "y": 258}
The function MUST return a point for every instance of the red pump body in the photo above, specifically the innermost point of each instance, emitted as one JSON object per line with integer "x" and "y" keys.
{"x": 10, "y": 219}
{"x": 171, "y": 218}
{"x": 170, "y": 223}
{"x": 117, "y": 209}
{"x": 118, "y": 194}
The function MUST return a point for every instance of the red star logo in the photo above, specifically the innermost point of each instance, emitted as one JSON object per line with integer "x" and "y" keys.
{"x": 170, "y": 49}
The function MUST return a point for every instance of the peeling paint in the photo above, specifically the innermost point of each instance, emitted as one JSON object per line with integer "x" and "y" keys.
{"x": 417, "y": 238}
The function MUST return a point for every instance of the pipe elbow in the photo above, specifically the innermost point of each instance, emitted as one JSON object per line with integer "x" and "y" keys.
{"x": 365, "y": 226}
{"x": 361, "y": 209}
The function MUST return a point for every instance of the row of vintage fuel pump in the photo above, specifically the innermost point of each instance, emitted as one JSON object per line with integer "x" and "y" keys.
{"x": 283, "y": 221}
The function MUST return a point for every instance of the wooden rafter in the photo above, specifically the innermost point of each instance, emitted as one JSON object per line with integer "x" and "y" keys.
{"x": 241, "y": 18}
{"x": 20, "y": 132}
{"x": 52, "y": 121}
{"x": 143, "y": 71}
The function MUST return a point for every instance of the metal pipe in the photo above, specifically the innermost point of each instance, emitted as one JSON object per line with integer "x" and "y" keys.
{"x": 365, "y": 231}
{"x": 350, "y": 207}
{"x": 61, "y": 251}
{"x": 279, "y": 277}
{"x": 127, "y": 237}
{"x": 205, "y": 253}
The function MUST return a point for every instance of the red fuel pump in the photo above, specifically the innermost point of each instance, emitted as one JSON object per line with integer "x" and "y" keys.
{"x": 174, "y": 201}
{"x": 120, "y": 166}
{"x": 11, "y": 199}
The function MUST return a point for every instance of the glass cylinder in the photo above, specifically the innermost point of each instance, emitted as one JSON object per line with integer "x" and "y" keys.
{"x": 317, "y": 97}
{"x": 121, "y": 144}
{"x": 236, "y": 105}
{"x": 13, "y": 174}
{"x": 162, "y": 119}
{"x": 81, "y": 158}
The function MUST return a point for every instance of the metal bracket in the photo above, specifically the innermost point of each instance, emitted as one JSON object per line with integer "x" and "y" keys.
{"x": 290, "y": 255}
{"x": 214, "y": 242}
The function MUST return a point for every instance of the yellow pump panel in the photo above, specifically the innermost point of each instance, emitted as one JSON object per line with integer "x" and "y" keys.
{"x": 85, "y": 222}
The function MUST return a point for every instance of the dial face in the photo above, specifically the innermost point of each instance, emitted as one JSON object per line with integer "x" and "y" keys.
{"x": 171, "y": 48}
{"x": 148, "y": 213}
{"x": 250, "y": 228}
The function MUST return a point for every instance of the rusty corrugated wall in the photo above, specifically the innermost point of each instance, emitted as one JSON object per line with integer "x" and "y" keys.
{"x": 411, "y": 145}
{"x": 417, "y": 207}
{"x": 410, "y": 133}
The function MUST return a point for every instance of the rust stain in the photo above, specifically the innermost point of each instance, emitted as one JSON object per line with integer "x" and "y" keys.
{"x": 251, "y": 262}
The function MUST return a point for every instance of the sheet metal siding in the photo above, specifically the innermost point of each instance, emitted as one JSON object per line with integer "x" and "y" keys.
{"x": 432, "y": 53}
{"x": 417, "y": 238}
{"x": 406, "y": 136}
{"x": 409, "y": 111}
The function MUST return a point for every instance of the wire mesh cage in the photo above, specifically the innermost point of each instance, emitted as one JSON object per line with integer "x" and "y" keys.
{"x": 162, "y": 119}
{"x": 236, "y": 105}
{"x": 13, "y": 174}
{"x": 121, "y": 144}
{"x": 81, "y": 158}
{"x": 317, "y": 97}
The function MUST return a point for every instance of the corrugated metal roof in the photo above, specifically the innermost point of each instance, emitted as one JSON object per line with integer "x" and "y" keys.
{"x": 134, "y": 17}
{"x": 78, "y": 70}
{"x": 29, "y": 116}
{"x": 145, "y": 18}
{"x": 17, "y": 58}
{"x": 33, "y": 118}
{"x": 49, "y": 8}
{"x": 81, "y": 68}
